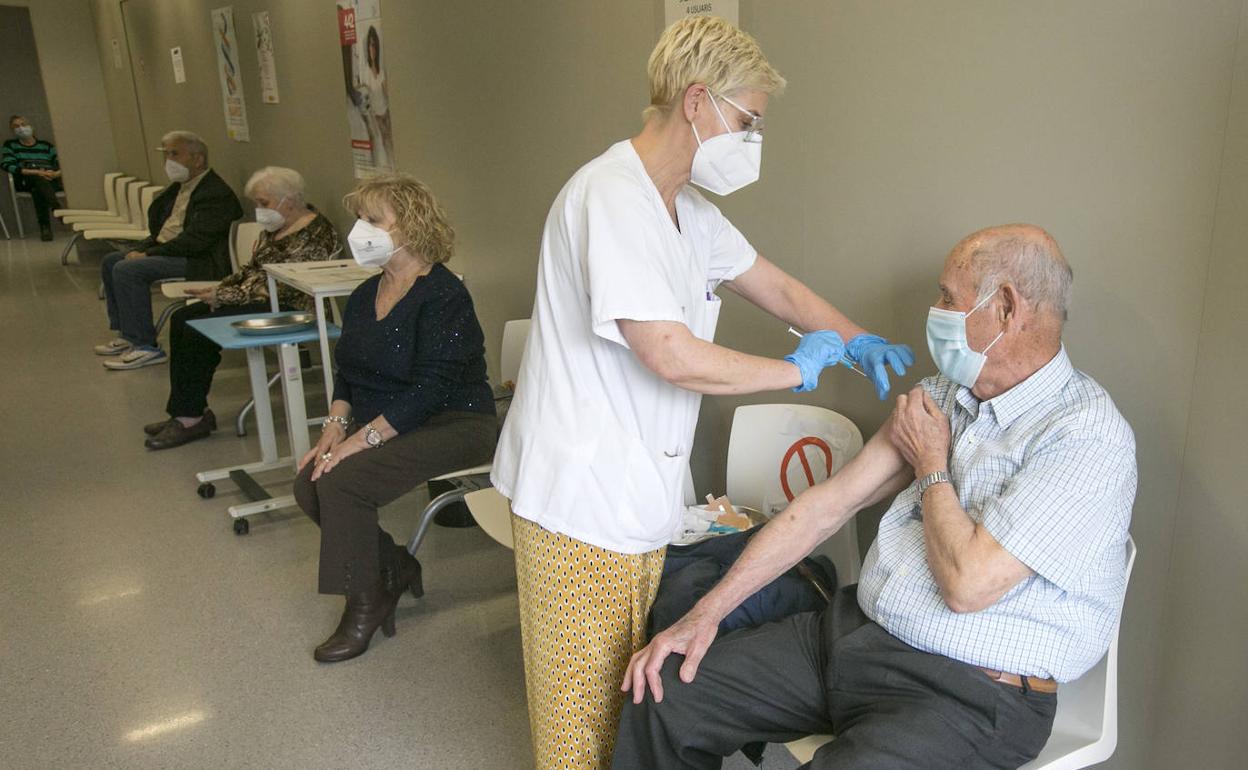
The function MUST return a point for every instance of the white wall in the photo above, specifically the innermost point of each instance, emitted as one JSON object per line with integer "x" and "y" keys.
{"x": 70, "y": 63}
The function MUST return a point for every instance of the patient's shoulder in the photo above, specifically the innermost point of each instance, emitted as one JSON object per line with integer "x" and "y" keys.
{"x": 1085, "y": 410}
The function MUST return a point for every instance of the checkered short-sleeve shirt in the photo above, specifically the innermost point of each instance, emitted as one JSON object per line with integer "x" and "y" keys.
{"x": 1048, "y": 468}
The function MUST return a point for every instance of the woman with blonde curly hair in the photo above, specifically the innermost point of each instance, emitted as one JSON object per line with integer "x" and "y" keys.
{"x": 411, "y": 402}
{"x": 595, "y": 452}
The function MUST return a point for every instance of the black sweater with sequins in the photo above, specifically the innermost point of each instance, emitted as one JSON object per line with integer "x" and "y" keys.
{"x": 427, "y": 356}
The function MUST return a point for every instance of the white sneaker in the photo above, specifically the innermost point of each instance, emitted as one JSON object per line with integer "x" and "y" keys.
{"x": 137, "y": 358}
{"x": 113, "y": 347}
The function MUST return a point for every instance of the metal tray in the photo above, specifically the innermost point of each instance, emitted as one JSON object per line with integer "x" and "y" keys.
{"x": 282, "y": 324}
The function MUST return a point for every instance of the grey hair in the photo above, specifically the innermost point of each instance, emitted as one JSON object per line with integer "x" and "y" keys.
{"x": 191, "y": 140}
{"x": 1034, "y": 265}
{"x": 277, "y": 181}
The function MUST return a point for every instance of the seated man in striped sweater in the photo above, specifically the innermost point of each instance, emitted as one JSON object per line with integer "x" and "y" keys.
{"x": 35, "y": 169}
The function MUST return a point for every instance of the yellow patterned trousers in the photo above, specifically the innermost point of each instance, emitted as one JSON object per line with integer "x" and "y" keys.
{"x": 583, "y": 614}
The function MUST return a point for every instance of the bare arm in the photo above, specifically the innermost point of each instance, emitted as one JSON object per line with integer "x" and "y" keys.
{"x": 877, "y": 472}
{"x": 790, "y": 300}
{"x": 671, "y": 351}
{"x": 970, "y": 566}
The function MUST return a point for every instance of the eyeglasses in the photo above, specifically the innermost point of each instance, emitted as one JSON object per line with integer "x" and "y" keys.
{"x": 754, "y": 133}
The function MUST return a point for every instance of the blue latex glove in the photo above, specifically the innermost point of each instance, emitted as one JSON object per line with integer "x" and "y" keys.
{"x": 815, "y": 351}
{"x": 872, "y": 353}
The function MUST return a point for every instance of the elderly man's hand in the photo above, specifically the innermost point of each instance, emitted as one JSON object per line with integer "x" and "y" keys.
{"x": 690, "y": 636}
{"x": 920, "y": 431}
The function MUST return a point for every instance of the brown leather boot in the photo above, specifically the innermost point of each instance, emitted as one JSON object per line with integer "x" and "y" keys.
{"x": 365, "y": 612}
{"x": 405, "y": 575}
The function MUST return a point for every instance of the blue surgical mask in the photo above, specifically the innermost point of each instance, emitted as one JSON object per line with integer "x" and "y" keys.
{"x": 946, "y": 341}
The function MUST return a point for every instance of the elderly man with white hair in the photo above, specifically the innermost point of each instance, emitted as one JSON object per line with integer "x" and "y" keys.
{"x": 997, "y": 573}
{"x": 293, "y": 231}
{"x": 189, "y": 225}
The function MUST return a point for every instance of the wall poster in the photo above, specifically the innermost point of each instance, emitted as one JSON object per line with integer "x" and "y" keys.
{"x": 264, "y": 52}
{"x": 226, "y": 42}
{"x": 367, "y": 95}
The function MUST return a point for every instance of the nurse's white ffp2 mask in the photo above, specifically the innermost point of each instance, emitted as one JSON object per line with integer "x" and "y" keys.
{"x": 726, "y": 162}
{"x": 946, "y": 341}
{"x": 370, "y": 245}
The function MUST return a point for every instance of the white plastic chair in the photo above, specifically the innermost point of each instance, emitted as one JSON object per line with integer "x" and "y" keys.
{"x": 110, "y": 200}
{"x": 116, "y": 212}
{"x": 776, "y": 451}
{"x": 515, "y": 334}
{"x": 243, "y": 237}
{"x": 127, "y": 192}
{"x": 1085, "y": 728}
{"x": 17, "y": 213}
{"x": 493, "y": 512}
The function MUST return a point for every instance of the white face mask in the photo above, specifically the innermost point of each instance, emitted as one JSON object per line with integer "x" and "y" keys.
{"x": 726, "y": 162}
{"x": 946, "y": 341}
{"x": 176, "y": 171}
{"x": 24, "y": 132}
{"x": 370, "y": 245}
{"x": 270, "y": 219}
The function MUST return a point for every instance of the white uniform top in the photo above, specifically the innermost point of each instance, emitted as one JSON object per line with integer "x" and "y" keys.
{"x": 596, "y": 446}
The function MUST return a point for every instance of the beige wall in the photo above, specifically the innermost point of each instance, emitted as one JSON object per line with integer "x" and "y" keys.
{"x": 906, "y": 125}
{"x": 1206, "y": 622}
{"x": 69, "y": 61}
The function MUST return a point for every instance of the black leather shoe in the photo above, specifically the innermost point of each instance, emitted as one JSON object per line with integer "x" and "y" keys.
{"x": 364, "y": 614}
{"x": 174, "y": 434}
{"x": 45, "y": 232}
{"x": 152, "y": 428}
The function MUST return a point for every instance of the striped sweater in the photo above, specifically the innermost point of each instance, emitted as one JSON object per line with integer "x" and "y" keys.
{"x": 17, "y": 156}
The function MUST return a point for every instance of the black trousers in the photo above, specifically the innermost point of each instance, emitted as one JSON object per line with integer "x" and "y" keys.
{"x": 193, "y": 358}
{"x": 890, "y": 705}
{"x": 43, "y": 193}
{"x": 354, "y": 548}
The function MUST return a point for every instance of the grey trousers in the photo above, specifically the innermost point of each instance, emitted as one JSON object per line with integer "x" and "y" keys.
{"x": 890, "y": 705}
{"x": 128, "y": 292}
{"x": 344, "y": 502}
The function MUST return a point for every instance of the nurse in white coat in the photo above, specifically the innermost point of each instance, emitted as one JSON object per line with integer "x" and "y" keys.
{"x": 596, "y": 446}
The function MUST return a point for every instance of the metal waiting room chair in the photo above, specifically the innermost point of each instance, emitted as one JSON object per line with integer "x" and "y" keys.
{"x": 468, "y": 480}
{"x": 17, "y": 212}
{"x": 1085, "y": 728}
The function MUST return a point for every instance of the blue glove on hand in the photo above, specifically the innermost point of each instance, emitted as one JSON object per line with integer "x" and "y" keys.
{"x": 872, "y": 353}
{"x": 816, "y": 351}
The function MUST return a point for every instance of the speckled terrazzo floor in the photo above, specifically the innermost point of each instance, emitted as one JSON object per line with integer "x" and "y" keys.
{"x": 137, "y": 631}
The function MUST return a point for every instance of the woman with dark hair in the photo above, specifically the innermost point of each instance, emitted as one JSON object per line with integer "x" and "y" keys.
{"x": 35, "y": 169}
{"x": 377, "y": 107}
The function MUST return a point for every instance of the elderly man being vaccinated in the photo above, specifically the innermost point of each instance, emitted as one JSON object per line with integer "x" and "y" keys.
{"x": 998, "y": 572}
{"x": 595, "y": 452}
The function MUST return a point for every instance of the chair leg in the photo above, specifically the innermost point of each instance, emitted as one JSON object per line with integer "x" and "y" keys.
{"x": 99, "y": 293}
{"x": 69, "y": 247}
{"x": 240, "y": 422}
{"x": 431, "y": 510}
{"x": 168, "y": 311}
{"x": 5, "y": 225}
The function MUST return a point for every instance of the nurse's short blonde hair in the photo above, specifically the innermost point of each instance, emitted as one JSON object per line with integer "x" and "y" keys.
{"x": 707, "y": 50}
{"x": 419, "y": 218}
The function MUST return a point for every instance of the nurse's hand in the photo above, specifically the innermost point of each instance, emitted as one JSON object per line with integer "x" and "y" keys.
{"x": 815, "y": 351}
{"x": 690, "y": 636}
{"x": 873, "y": 353}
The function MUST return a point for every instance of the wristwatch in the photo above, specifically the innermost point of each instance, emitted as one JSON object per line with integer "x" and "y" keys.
{"x": 938, "y": 477}
{"x": 372, "y": 436}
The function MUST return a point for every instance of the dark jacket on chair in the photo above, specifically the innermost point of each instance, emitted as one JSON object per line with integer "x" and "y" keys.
{"x": 205, "y": 236}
